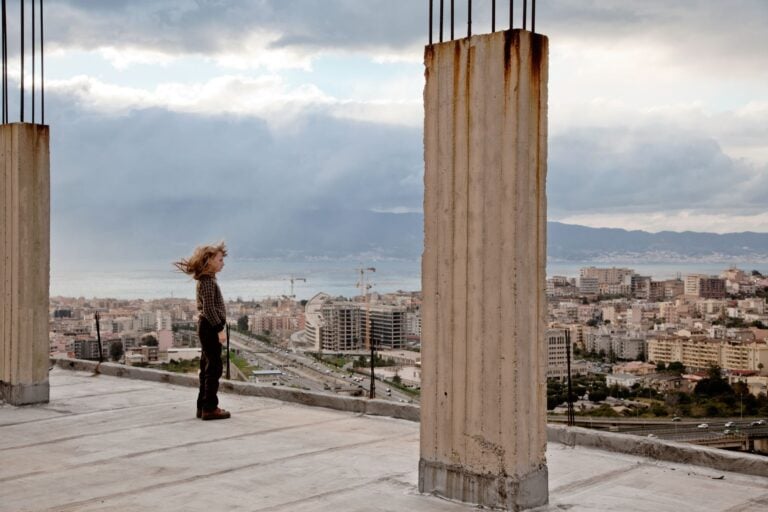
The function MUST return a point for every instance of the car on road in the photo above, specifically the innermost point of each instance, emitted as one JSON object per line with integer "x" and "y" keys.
{"x": 676, "y": 418}
{"x": 758, "y": 423}
{"x": 728, "y": 431}
{"x": 729, "y": 424}
{"x": 702, "y": 425}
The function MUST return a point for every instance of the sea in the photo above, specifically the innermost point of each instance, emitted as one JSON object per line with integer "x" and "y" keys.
{"x": 256, "y": 279}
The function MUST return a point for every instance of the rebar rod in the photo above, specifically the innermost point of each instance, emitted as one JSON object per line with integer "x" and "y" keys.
{"x": 469, "y": 19}
{"x": 533, "y": 16}
{"x": 441, "y": 20}
{"x": 493, "y": 15}
{"x": 430, "y": 21}
{"x": 21, "y": 55}
{"x": 452, "y": 16}
{"x": 42, "y": 69}
{"x": 5, "y": 64}
{"x": 525, "y": 14}
{"x": 33, "y": 62}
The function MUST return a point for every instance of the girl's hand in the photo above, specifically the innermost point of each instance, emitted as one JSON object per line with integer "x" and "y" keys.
{"x": 223, "y": 337}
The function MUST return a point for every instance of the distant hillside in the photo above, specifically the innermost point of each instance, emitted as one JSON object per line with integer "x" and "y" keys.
{"x": 567, "y": 242}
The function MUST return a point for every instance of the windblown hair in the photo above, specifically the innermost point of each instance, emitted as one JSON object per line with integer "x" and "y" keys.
{"x": 200, "y": 263}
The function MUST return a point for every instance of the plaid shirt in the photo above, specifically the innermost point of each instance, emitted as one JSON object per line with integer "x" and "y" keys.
{"x": 210, "y": 303}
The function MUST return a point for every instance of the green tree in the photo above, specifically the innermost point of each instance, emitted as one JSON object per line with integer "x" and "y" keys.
{"x": 676, "y": 367}
{"x": 149, "y": 340}
{"x": 242, "y": 323}
{"x": 116, "y": 350}
{"x": 661, "y": 366}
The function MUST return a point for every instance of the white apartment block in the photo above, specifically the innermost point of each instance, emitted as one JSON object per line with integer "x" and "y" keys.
{"x": 413, "y": 323}
{"x": 164, "y": 321}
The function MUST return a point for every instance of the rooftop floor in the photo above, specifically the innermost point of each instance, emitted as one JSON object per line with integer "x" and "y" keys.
{"x": 108, "y": 443}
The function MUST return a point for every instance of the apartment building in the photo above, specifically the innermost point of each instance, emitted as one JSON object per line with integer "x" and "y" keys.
{"x": 557, "y": 356}
{"x": 611, "y": 275}
{"x": 387, "y": 324}
{"x": 701, "y": 352}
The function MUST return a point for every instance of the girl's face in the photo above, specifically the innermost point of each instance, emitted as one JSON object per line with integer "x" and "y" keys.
{"x": 217, "y": 263}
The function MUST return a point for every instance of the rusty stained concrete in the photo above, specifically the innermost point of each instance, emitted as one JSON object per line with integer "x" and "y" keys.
{"x": 483, "y": 422}
{"x": 24, "y": 262}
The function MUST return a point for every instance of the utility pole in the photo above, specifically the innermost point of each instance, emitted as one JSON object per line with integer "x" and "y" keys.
{"x": 98, "y": 337}
{"x": 364, "y": 287}
{"x": 571, "y": 416}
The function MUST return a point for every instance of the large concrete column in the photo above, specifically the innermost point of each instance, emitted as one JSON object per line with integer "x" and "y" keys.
{"x": 24, "y": 262}
{"x": 483, "y": 404}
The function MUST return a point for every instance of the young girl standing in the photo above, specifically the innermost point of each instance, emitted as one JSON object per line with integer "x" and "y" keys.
{"x": 203, "y": 265}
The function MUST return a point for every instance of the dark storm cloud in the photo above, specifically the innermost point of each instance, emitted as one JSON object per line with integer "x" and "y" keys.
{"x": 152, "y": 180}
{"x": 719, "y": 33}
{"x": 655, "y": 169}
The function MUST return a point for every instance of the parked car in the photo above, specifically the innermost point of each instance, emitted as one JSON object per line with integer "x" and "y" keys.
{"x": 729, "y": 424}
{"x": 728, "y": 431}
{"x": 702, "y": 425}
{"x": 676, "y": 418}
{"x": 758, "y": 423}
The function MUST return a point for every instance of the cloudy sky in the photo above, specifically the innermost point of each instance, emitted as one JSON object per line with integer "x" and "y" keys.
{"x": 266, "y": 122}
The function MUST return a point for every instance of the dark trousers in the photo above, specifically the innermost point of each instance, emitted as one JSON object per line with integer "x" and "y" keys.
{"x": 210, "y": 366}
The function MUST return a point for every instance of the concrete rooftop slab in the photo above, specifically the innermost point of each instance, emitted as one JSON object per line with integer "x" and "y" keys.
{"x": 107, "y": 443}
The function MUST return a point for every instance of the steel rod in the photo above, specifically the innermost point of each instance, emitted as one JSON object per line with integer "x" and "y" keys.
{"x": 33, "y": 62}
{"x": 469, "y": 19}
{"x": 42, "y": 69}
{"x": 5, "y": 64}
{"x": 441, "y": 19}
{"x": 452, "y": 16}
{"x": 511, "y": 14}
{"x": 21, "y": 55}
{"x": 430, "y": 21}
{"x": 525, "y": 14}
{"x": 533, "y": 16}
{"x": 493, "y": 16}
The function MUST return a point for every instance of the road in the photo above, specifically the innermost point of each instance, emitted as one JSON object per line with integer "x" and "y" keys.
{"x": 308, "y": 373}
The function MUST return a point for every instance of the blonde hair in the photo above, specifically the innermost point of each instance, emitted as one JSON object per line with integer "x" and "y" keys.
{"x": 200, "y": 263}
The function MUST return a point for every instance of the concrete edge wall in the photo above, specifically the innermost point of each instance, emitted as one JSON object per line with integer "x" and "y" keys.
{"x": 656, "y": 449}
{"x": 331, "y": 401}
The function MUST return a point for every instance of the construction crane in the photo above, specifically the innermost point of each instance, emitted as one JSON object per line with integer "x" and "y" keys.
{"x": 292, "y": 280}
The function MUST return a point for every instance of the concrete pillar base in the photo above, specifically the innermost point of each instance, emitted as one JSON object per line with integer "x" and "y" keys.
{"x": 494, "y": 491}
{"x": 25, "y": 394}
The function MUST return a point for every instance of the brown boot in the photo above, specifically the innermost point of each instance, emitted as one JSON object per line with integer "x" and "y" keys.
{"x": 216, "y": 414}
{"x": 199, "y": 413}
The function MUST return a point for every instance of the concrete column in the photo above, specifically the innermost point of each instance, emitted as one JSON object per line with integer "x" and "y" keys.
{"x": 24, "y": 262}
{"x": 483, "y": 405}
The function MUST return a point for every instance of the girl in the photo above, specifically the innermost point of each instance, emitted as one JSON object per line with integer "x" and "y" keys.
{"x": 203, "y": 265}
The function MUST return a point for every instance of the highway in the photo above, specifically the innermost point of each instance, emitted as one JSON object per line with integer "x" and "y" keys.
{"x": 307, "y": 373}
